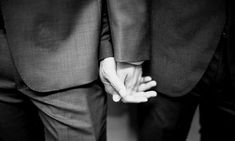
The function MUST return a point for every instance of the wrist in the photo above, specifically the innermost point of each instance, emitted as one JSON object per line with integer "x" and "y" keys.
{"x": 139, "y": 63}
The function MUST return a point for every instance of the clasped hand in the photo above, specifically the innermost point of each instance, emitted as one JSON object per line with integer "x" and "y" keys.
{"x": 124, "y": 81}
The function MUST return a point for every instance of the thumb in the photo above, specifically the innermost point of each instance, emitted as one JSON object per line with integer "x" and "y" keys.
{"x": 116, "y": 83}
{"x": 110, "y": 74}
{"x": 116, "y": 97}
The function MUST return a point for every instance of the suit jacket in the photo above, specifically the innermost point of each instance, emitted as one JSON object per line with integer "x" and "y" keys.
{"x": 184, "y": 37}
{"x": 55, "y": 44}
{"x": 231, "y": 39}
{"x": 130, "y": 30}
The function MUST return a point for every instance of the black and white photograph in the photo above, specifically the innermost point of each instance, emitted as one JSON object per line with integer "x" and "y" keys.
{"x": 117, "y": 70}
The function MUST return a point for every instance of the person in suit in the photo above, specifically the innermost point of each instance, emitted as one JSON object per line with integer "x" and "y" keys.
{"x": 192, "y": 59}
{"x": 50, "y": 52}
{"x": 53, "y": 63}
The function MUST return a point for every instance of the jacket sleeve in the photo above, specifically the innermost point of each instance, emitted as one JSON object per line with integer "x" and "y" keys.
{"x": 129, "y": 24}
{"x": 105, "y": 49}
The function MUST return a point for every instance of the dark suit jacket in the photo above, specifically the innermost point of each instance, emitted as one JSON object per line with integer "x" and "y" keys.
{"x": 231, "y": 38}
{"x": 55, "y": 43}
{"x": 184, "y": 36}
{"x": 129, "y": 23}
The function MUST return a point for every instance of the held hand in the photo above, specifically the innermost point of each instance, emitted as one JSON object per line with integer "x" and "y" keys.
{"x": 136, "y": 85}
{"x": 108, "y": 76}
{"x": 115, "y": 86}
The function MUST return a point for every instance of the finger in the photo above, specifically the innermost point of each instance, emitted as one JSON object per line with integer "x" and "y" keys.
{"x": 116, "y": 98}
{"x": 147, "y": 94}
{"x": 116, "y": 83}
{"x": 138, "y": 81}
{"x": 139, "y": 97}
{"x": 146, "y": 79}
{"x": 121, "y": 75}
{"x": 146, "y": 86}
{"x": 133, "y": 99}
{"x": 133, "y": 78}
{"x": 109, "y": 89}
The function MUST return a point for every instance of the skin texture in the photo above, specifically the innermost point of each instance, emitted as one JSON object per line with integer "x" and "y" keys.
{"x": 125, "y": 82}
